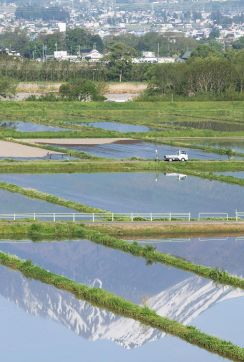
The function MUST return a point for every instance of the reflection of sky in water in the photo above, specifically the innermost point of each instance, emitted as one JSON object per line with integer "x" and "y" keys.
{"x": 137, "y": 192}
{"x": 223, "y": 252}
{"x": 29, "y": 127}
{"x": 116, "y": 126}
{"x": 143, "y": 150}
{"x": 43, "y": 340}
{"x": 13, "y": 202}
{"x": 238, "y": 174}
{"x": 87, "y": 262}
{"x": 237, "y": 146}
{"x": 171, "y": 292}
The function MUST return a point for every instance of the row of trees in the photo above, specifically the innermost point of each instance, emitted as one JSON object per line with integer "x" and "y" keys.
{"x": 72, "y": 41}
{"x": 78, "y": 39}
{"x": 200, "y": 76}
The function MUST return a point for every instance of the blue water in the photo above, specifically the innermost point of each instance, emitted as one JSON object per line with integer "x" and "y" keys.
{"x": 238, "y": 174}
{"x": 137, "y": 192}
{"x": 170, "y": 292}
{"x": 29, "y": 127}
{"x": 144, "y": 150}
{"x": 40, "y": 323}
{"x": 117, "y": 126}
{"x": 16, "y": 203}
{"x": 234, "y": 145}
{"x": 222, "y": 252}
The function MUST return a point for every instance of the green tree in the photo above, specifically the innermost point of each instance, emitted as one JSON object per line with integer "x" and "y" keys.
{"x": 239, "y": 44}
{"x": 82, "y": 90}
{"x": 119, "y": 61}
{"x": 7, "y": 87}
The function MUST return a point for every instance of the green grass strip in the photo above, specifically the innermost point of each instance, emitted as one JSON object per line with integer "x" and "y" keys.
{"x": 35, "y": 194}
{"x": 152, "y": 255}
{"x": 38, "y": 231}
{"x": 102, "y": 165}
{"x": 103, "y": 299}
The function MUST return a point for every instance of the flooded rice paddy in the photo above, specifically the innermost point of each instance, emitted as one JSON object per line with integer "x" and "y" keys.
{"x": 116, "y": 126}
{"x": 234, "y": 145}
{"x": 137, "y": 192}
{"x": 171, "y": 292}
{"x": 226, "y": 253}
{"x": 144, "y": 150}
{"x": 79, "y": 329}
{"x": 237, "y": 174}
{"x": 16, "y": 203}
{"x": 21, "y": 126}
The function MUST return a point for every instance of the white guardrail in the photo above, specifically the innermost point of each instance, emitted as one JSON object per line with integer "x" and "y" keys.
{"x": 126, "y": 217}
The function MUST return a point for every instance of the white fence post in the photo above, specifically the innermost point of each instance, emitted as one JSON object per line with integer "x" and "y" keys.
{"x": 131, "y": 217}
{"x": 112, "y": 216}
{"x": 170, "y": 216}
{"x": 93, "y": 217}
{"x": 14, "y": 217}
{"x": 73, "y": 217}
{"x": 151, "y": 216}
{"x": 189, "y": 217}
{"x": 54, "y": 217}
{"x": 34, "y": 216}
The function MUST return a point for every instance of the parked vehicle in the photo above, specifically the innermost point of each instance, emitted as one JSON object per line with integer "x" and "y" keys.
{"x": 180, "y": 156}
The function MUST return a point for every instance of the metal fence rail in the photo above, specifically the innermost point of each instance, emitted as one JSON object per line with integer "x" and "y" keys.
{"x": 126, "y": 217}
{"x": 96, "y": 217}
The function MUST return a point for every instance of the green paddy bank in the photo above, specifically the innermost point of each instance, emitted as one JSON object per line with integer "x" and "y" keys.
{"x": 103, "y": 299}
{"x": 59, "y": 231}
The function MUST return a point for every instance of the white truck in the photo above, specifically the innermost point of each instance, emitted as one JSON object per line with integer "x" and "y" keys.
{"x": 180, "y": 156}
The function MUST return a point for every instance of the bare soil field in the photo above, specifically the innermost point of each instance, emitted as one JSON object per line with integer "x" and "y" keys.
{"x": 77, "y": 141}
{"x": 12, "y": 149}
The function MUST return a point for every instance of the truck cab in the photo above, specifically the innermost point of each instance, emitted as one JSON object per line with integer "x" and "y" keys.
{"x": 179, "y": 156}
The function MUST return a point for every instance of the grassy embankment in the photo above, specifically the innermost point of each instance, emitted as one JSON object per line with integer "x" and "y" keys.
{"x": 103, "y": 165}
{"x": 120, "y": 306}
{"x": 38, "y": 231}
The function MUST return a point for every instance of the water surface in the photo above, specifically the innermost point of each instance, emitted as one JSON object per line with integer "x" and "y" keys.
{"x": 143, "y": 150}
{"x": 117, "y": 126}
{"x": 57, "y": 324}
{"x": 222, "y": 252}
{"x": 238, "y": 174}
{"x": 16, "y": 203}
{"x": 138, "y": 192}
{"x": 21, "y": 126}
{"x": 170, "y": 292}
